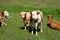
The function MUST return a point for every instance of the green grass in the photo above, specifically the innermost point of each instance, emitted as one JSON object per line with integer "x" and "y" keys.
{"x": 13, "y": 32}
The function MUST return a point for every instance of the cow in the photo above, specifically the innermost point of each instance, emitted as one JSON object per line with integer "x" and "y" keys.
{"x": 3, "y": 15}
{"x": 26, "y": 16}
{"x": 53, "y": 24}
{"x": 37, "y": 18}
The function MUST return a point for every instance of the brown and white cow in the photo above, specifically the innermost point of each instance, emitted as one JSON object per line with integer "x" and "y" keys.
{"x": 26, "y": 16}
{"x": 37, "y": 17}
{"x": 3, "y": 14}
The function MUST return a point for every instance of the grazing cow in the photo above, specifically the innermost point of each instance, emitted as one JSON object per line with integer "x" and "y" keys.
{"x": 37, "y": 17}
{"x": 3, "y": 14}
{"x": 53, "y": 24}
{"x": 26, "y": 16}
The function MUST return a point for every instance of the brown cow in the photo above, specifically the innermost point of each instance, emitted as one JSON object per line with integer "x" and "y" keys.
{"x": 26, "y": 16}
{"x": 53, "y": 24}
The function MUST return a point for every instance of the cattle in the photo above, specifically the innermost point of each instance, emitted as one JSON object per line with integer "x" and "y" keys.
{"x": 37, "y": 18}
{"x": 3, "y": 15}
{"x": 53, "y": 24}
{"x": 26, "y": 16}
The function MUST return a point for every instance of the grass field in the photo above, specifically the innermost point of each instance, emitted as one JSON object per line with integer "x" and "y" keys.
{"x": 13, "y": 30}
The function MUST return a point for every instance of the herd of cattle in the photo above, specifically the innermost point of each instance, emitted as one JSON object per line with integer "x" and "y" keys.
{"x": 34, "y": 18}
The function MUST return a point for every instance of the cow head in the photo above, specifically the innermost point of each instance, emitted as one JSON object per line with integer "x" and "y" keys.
{"x": 22, "y": 14}
{"x": 50, "y": 17}
{"x": 6, "y": 14}
{"x": 34, "y": 15}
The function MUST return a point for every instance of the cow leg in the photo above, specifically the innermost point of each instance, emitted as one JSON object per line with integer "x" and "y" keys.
{"x": 32, "y": 31}
{"x": 41, "y": 27}
{"x": 36, "y": 25}
{"x": 0, "y": 21}
{"x": 28, "y": 23}
{"x": 32, "y": 24}
{"x": 25, "y": 26}
{"x": 3, "y": 22}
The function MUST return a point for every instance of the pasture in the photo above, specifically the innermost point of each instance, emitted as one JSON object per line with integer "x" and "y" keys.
{"x": 13, "y": 31}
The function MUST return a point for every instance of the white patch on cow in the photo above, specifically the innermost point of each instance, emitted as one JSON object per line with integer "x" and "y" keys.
{"x": 34, "y": 15}
{"x": 22, "y": 14}
{"x": 39, "y": 18}
{"x": 6, "y": 14}
{"x": 28, "y": 24}
{"x": 32, "y": 32}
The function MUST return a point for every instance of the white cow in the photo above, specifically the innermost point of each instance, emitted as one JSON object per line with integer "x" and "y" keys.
{"x": 37, "y": 17}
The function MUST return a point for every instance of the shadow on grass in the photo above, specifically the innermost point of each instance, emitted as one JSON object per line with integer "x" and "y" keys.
{"x": 29, "y": 29}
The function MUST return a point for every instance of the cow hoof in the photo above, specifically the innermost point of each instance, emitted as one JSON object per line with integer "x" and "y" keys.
{"x": 41, "y": 31}
{"x": 32, "y": 32}
{"x": 1, "y": 24}
{"x": 36, "y": 33}
{"x": 5, "y": 24}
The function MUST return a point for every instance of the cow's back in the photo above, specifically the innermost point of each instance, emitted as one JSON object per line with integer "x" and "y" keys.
{"x": 28, "y": 16}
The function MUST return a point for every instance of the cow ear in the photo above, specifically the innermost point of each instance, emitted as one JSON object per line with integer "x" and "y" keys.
{"x": 37, "y": 13}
